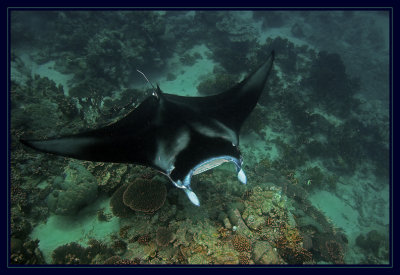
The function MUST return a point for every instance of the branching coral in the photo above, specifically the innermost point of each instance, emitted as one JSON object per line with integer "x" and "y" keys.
{"x": 289, "y": 245}
{"x": 244, "y": 258}
{"x": 330, "y": 247}
{"x": 241, "y": 243}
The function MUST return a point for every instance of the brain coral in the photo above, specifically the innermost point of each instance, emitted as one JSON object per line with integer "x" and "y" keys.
{"x": 145, "y": 195}
{"x": 118, "y": 207}
{"x": 164, "y": 236}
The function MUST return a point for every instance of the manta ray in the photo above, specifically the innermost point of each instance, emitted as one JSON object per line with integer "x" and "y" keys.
{"x": 178, "y": 136}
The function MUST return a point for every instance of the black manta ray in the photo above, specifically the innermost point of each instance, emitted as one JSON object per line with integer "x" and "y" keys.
{"x": 177, "y": 135}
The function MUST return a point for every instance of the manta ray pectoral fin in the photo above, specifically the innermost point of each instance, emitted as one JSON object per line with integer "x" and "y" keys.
{"x": 242, "y": 176}
{"x": 192, "y": 196}
{"x": 67, "y": 146}
{"x": 129, "y": 140}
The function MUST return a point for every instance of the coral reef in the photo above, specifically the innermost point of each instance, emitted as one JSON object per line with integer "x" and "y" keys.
{"x": 289, "y": 245}
{"x": 77, "y": 189}
{"x": 264, "y": 253}
{"x": 190, "y": 59}
{"x": 315, "y": 176}
{"x": 335, "y": 252}
{"x": 71, "y": 253}
{"x": 330, "y": 82}
{"x": 25, "y": 253}
{"x": 144, "y": 239}
{"x": 374, "y": 242}
{"x": 20, "y": 227}
{"x": 241, "y": 243}
{"x": 257, "y": 121}
{"x": 146, "y": 196}
{"x": 40, "y": 97}
{"x": 116, "y": 260}
{"x": 118, "y": 247}
{"x": 244, "y": 258}
{"x": 143, "y": 195}
{"x": 272, "y": 19}
{"x": 233, "y": 29}
{"x": 117, "y": 205}
{"x": 74, "y": 254}
{"x": 216, "y": 83}
{"x": 164, "y": 236}
{"x": 103, "y": 216}
{"x": 240, "y": 226}
{"x": 314, "y": 131}
{"x": 108, "y": 175}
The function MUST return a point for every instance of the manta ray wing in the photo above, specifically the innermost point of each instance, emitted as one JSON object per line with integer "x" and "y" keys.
{"x": 179, "y": 136}
{"x": 129, "y": 140}
{"x": 232, "y": 107}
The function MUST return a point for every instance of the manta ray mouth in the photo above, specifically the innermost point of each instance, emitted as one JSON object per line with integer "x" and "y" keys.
{"x": 205, "y": 166}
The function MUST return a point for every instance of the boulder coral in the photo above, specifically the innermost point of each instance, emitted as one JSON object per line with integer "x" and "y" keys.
{"x": 141, "y": 195}
{"x": 118, "y": 207}
{"x": 164, "y": 236}
{"x": 75, "y": 190}
{"x": 146, "y": 196}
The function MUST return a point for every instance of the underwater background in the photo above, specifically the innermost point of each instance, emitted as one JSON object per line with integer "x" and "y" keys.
{"x": 315, "y": 148}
